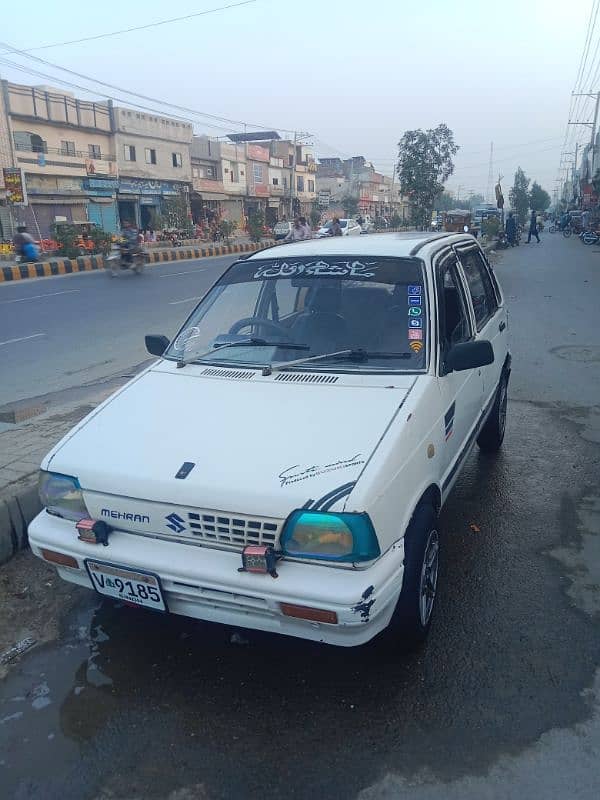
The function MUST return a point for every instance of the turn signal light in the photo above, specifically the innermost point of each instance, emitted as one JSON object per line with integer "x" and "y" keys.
{"x": 305, "y": 612}
{"x": 60, "y": 558}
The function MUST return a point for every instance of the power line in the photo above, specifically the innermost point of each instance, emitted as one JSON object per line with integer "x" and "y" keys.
{"x": 142, "y": 27}
{"x": 184, "y": 109}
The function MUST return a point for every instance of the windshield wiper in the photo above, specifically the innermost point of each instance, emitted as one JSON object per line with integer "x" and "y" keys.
{"x": 251, "y": 342}
{"x": 353, "y": 355}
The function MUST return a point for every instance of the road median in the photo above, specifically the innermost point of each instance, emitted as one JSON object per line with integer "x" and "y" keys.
{"x": 68, "y": 266}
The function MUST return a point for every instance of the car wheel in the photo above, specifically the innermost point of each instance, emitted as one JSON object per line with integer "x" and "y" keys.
{"x": 412, "y": 616}
{"x": 492, "y": 434}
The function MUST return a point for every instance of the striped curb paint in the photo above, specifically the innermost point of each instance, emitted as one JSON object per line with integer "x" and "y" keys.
{"x": 68, "y": 266}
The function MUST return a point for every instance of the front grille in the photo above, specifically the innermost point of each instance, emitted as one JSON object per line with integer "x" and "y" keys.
{"x": 232, "y": 374}
{"x": 304, "y": 377}
{"x": 233, "y": 530}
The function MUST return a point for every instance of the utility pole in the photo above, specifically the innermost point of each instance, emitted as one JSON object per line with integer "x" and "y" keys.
{"x": 490, "y": 183}
{"x": 593, "y": 124}
{"x": 293, "y": 177}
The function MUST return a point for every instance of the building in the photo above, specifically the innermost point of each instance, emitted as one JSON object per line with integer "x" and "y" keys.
{"x": 154, "y": 166}
{"x": 305, "y": 189}
{"x": 65, "y": 147}
{"x": 208, "y": 193}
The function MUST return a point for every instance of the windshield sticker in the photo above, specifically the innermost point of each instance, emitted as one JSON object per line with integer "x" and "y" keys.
{"x": 416, "y": 346}
{"x": 297, "y": 473}
{"x": 340, "y": 269}
{"x": 182, "y": 342}
{"x": 414, "y": 290}
{"x": 415, "y": 333}
{"x": 414, "y": 300}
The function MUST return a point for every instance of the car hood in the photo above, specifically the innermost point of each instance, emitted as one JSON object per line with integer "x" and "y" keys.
{"x": 258, "y": 445}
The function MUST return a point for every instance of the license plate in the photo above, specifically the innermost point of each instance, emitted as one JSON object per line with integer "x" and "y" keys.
{"x": 122, "y": 583}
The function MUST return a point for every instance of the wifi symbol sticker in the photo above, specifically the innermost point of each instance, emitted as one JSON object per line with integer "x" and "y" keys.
{"x": 416, "y": 346}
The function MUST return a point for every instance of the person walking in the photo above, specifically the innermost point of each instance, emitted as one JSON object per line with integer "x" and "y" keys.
{"x": 511, "y": 229}
{"x": 297, "y": 233}
{"x": 336, "y": 228}
{"x": 533, "y": 230}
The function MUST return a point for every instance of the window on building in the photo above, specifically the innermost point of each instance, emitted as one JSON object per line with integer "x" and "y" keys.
{"x": 150, "y": 155}
{"x": 311, "y": 186}
{"x": 211, "y": 173}
{"x": 290, "y": 160}
{"x": 257, "y": 172}
{"x": 275, "y": 181}
{"x": 29, "y": 142}
{"x": 94, "y": 151}
{"x": 67, "y": 148}
{"x": 177, "y": 160}
{"x": 128, "y": 152}
{"x": 300, "y": 183}
{"x": 195, "y": 172}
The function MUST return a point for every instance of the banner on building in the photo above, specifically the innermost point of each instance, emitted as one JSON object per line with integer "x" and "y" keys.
{"x": 14, "y": 181}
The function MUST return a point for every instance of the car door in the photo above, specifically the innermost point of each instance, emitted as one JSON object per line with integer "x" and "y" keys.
{"x": 460, "y": 392}
{"x": 489, "y": 312}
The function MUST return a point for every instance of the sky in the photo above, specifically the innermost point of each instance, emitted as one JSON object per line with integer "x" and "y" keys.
{"x": 354, "y": 75}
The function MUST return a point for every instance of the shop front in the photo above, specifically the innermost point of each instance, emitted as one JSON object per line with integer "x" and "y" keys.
{"x": 102, "y": 207}
{"x": 52, "y": 199}
{"x": 141, "y": 201}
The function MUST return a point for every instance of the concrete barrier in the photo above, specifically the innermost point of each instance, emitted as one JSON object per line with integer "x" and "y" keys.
{"x": 16, "y": 512}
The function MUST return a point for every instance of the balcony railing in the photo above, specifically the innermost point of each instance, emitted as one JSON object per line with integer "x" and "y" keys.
{"x": 59, "y": 151}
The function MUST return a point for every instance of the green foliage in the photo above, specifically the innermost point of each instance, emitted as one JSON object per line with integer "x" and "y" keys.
{"x": 445, "y": 202}
{"x": 226, "y": 229}
{"x": 176, "y": 213}
{"x": 102, "y": 240}
{"x": 350, "y": 205}
{"x": 424, "y": 165}
{"x": 519, "y": 196}
{"x": 539, "y": 199}
{"x": 396, "y": 221}
{"x": 256, "y": 223}
{"x": 490, "y": 227}
{"x": 315, "y": 216}
{"x": 67, "y": 236}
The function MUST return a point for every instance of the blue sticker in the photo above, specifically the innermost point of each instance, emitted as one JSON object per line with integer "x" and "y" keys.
{"x": 414, "y": 301}
{"x": 415, "y": 311}
{"x": 415, "y": 323}
{"x": 414, "y": 289}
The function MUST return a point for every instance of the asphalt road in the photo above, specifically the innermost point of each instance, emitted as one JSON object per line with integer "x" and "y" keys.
{"x": 56, "y": 333}
{"x": 503, "y": 702}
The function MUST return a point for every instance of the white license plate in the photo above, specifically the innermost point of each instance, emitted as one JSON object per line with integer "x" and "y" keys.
{"x": 122, "y": 583}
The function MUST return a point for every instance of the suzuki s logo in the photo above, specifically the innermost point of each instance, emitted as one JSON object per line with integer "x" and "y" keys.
{"x": 175, "y": 523}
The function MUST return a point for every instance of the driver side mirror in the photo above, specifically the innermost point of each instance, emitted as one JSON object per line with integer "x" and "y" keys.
{"x": 469, "y": 355}
{"x": 156, "y": 344}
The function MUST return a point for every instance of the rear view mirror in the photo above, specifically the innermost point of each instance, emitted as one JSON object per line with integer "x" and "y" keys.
{"x": 469, "y": 355}
{"x": 156, "y": 344}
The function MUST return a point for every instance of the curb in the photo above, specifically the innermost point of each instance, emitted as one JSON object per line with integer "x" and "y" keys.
{"x": 15, "y": 515}
{"x": 68, "y": 266}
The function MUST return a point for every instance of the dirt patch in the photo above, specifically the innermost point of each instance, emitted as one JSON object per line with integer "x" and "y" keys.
{"x": 33, "y": 599}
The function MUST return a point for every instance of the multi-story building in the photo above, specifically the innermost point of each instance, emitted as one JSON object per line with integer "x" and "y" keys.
{"x": 65, "y": 147}
{"x": 154, "y": 164}
{"x": 208, "y": 193}
{"x": 258, "y": 192}
{"x": 306, "y": 171}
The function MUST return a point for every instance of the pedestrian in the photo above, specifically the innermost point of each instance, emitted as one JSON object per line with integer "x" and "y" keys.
{"x": 336, "y": 228}
{"x": 306, "y": 228}
{"x": 511, "y": 229}
{"x": 533, "y": 231}
{"x": 297, "y": 232}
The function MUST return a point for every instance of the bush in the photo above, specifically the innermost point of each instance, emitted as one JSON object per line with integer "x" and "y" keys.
{"x": 256, "y": 224}
{"x": 315, "y": 216}
{"x": 226, "y": 228}
{"x": 396, "y": 221}
{"x": 490, "y": 227}
{"x": 67, "y": 237}
{"x": 102, "y": 240}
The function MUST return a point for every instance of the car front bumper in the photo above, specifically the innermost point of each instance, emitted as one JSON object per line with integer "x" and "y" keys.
{"x": 204, "y": 583}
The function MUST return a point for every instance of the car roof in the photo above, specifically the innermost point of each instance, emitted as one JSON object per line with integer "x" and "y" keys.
{"x": 382, "y": 244}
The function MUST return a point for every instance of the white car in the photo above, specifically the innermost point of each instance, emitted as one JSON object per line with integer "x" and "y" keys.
{"x": 350, "y": 227}
{"x": 282, "y": 229}
{"x": 282, "y": 465}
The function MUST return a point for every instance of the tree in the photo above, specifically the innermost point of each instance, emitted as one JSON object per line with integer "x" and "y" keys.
{"x": 350, "y": 205}
{"x": 424, "y": 165}
{"x": 315, "y": 215}
{"x": 475, "y": 200}
{"x": 256, "y": 222}
{"x": 539, "y": 199}
{"x": 444, "y": 202}
{"x": 519, "y": 196}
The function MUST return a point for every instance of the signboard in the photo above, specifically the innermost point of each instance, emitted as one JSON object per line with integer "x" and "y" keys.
{"x": 147, "y": 186}
{"x": 324, "y": 198}
{"x": 14, "y": 181}
{"x": 100, "y": 167}
{"x": 258, "y": 153}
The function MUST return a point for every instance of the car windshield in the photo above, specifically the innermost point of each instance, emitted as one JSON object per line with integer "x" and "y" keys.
{"x": 352, "y": 312}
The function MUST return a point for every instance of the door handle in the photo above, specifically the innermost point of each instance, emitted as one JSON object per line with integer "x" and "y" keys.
{"x": 502, "y": 326}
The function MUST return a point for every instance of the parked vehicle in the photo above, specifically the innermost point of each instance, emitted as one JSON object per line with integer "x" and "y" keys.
{"x": 281, "y": 230}
{"x": 350, "y": 227}
{"x": 367, "y": 225}
{"x": 122, "y": 257}
{"x": 368, "y": 369}
{"x": 590, "y": 237}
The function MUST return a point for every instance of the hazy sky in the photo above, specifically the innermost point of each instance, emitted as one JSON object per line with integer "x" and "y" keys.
{"x": 353, "y": 74}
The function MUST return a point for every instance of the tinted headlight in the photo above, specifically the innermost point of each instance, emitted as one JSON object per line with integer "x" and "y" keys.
{"x": 61, "y": 495}
{"x": 330, "y": 537}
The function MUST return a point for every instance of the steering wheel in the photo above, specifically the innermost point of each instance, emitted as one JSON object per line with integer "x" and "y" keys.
{"x": 260, "y": 322}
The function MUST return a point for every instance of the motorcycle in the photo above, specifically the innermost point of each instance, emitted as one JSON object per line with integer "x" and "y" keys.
{"x": 125, "y": 257}
{"x": 590, "y": 237}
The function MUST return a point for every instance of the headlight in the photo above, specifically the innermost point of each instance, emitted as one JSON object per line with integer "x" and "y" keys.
{"x": 61, "y": 495}
{"x": 330, "y": 537}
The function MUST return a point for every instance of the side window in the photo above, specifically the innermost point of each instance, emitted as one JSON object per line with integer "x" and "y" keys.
{"x": 480, "y": 285}
{"x": 286, "y": 298}
{"x": 454, "y": 325}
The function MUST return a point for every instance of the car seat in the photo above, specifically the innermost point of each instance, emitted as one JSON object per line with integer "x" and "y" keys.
{"x": 321, "y": 326}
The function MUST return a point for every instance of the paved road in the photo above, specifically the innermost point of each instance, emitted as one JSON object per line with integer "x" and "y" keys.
{"x": 59, "y": 332}
{"x": 504, "y": 701}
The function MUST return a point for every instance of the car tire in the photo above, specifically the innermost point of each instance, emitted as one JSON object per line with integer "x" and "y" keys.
{"x": 412, "y": 616}
{"x": 492, "y": 434}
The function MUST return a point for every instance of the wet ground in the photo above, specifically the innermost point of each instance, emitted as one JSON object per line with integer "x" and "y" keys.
{"x": 502, "y": 702}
